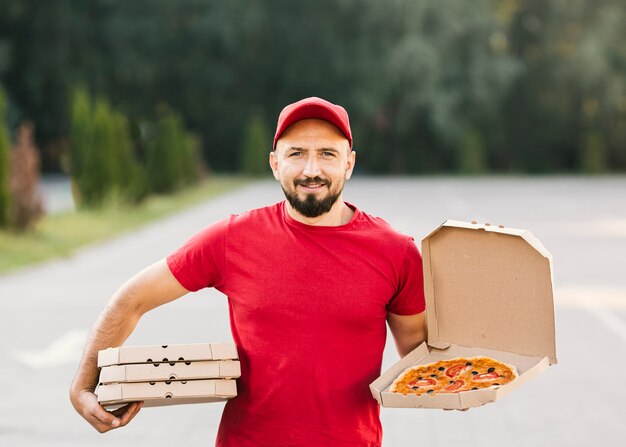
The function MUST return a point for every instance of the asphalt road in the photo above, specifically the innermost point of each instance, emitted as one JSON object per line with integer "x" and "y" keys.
{"x": 46, "y": 310}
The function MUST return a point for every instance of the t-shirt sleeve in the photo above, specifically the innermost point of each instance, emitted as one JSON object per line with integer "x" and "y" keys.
{"x": 200, "y": 262}
{"x": 409, "y": 298}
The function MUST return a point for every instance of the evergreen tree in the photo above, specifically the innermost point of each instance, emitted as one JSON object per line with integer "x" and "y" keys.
{"x": 81, "y": 128}
{"x": 594, "y": 156}
{"x": 256, "y": 147}
{"x": 171, "y": 162}
{"x": 129, "y": 181}
{"x": 81, "y": 117}
{"x": 104, "y": 164}
{"x": 472, "y": 158}
{"x": 5, "y": 147}
{"x": 98, "y": 173}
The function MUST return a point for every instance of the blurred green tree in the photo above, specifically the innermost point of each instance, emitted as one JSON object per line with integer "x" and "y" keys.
{"x": 170, "y": 161}
{"x": 257, "y": 144}
{"x": 5, "y": 147}
{"x": 594, "y": 156}
{"x": 104, "y": 165}
{"x": 472, "y": 158}
{"x": 574, "y": 84}
{"x": 533, "y": 78}
{"x": 81, "y": 137}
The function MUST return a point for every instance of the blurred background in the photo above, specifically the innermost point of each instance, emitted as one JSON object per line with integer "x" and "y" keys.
{"x": 115, "y": 114}
{"x": 432, "y": 86}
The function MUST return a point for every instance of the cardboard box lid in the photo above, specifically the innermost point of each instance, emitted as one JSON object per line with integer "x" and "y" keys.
{"x": 148, "y": 372}
{"x": 490, "y": 287}
{"x": 167, "y": 353}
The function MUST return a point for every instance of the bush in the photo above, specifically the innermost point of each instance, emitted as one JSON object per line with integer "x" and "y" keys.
{"x": 104, "y": 166}
{"x": 256, "y": 147}
{"x": 130, "y": 176}
{"x": 82, "y": 132}
{"x": 172, "y": 159}
{"x": 5, "y": 199}
{"x": 473, "y": 157}
{"x": 594, "y": 154}
{"x": 26, "y": 201}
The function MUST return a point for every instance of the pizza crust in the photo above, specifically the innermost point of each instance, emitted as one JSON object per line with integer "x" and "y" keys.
{"x": 454, "y": 376}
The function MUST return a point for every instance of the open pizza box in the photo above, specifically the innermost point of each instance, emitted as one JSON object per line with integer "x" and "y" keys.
{"x": 488, "y": 293}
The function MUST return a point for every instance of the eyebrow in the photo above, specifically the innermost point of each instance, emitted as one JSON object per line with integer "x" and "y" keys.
{"x": 321, "y": 149}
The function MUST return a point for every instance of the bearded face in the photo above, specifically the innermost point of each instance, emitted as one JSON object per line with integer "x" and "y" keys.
{"x": 312, "y": 205}
{"x": 312, "y": 162}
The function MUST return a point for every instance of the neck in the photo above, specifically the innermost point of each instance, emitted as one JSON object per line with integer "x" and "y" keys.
{"x": 339, "y": 214}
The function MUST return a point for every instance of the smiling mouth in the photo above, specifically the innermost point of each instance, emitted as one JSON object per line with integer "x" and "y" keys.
{"x": 313, "y": 184}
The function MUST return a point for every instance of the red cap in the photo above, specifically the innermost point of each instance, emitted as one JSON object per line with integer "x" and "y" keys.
{"x": 314, "y": 108}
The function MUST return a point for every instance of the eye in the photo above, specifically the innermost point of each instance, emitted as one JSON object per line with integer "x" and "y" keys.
{"x": 295, "y": 154}
{"x": 328, "y": 154}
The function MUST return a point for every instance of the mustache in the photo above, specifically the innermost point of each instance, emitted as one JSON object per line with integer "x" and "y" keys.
{"x": 312, "y": 181}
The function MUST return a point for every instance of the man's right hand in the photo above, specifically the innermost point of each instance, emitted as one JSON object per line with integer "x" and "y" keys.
{"x": 86, "y": 404}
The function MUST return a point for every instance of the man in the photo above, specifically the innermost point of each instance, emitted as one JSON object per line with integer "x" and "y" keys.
{"x": 311, "y": 283}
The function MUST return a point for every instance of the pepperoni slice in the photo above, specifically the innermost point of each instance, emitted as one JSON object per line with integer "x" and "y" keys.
{"x": 455, "y": 386}
{"x": 485, "y": 377}
{"x": 456, "y": 370}
{"x": 424, "y": 382}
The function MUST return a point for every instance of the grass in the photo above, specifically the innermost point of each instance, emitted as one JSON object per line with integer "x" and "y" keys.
{"x": 60, "y": 235}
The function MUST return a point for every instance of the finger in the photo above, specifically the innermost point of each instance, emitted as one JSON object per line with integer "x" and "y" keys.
{"x": 104, "y": 417}
{"x": 134, "y": 413}
{"x": 101, "y": 426}
{"x": 119, "y": 412}
{"x": 131, "y": 411}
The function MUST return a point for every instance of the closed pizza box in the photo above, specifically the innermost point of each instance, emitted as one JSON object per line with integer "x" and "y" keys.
{"x": 155, "y": 394}
{"x": 150, "y": 372}
{"x": 167, "y": 353}
{"x": 489, "y": 292}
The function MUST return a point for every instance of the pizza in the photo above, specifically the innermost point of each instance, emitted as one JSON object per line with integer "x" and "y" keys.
{"x": 453, "y": 376}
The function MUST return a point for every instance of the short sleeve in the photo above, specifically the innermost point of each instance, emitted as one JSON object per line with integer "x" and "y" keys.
{"x": 409, "y": 298}
{"x": 200, "y": 262}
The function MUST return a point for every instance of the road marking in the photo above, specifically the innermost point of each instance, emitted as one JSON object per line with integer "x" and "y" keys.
{"x": 600, "y": 302}
{"x": 65, "y": 349}
{"x": 598, "y": 228}
{"x": 590, "y": 297}
{"x": 610, "y": 320}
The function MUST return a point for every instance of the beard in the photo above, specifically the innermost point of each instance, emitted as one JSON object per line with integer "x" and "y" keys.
{"x": 311, "y": 206}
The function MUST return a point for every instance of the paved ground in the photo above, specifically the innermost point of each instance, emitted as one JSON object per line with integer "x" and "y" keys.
{"x": 46, "y": 310}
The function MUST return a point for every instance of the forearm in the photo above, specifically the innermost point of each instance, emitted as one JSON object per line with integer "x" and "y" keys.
{"x": 148, "y": 289}
{"x": 112, "y": 328}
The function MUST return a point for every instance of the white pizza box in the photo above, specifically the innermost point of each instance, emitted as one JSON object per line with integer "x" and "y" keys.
{"x": 489, "y": 291}
{"x": 150, "y": 372}
{"x": 167, "y": 353}
{"x": 156, "y": 394}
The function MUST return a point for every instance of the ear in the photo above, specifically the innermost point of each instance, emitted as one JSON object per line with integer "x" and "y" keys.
{"x": 350, "y": 165}
{"x": 274, "y": 164}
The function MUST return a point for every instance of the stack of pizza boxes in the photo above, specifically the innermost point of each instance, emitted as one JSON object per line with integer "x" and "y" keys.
{"x": 167, "y": 375}
{"x": 488, "y": 293}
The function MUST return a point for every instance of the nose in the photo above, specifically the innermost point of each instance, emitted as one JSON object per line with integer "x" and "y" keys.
{"x": 312, "y": 168}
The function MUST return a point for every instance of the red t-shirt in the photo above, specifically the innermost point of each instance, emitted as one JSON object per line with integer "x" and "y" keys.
{"x": 308, "y": 307}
